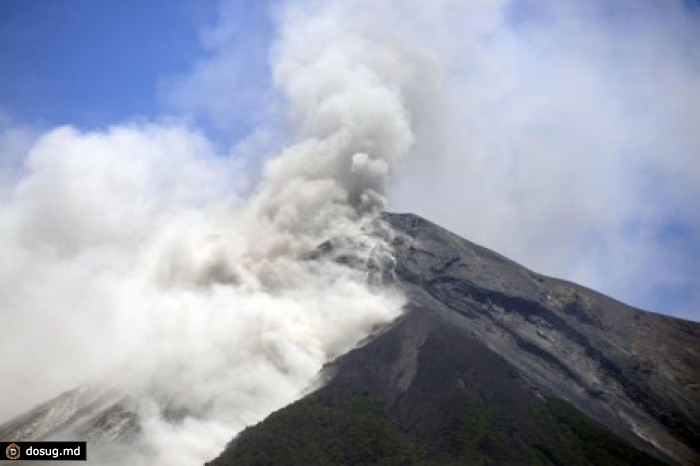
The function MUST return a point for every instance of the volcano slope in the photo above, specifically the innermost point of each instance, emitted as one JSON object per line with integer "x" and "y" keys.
{"x": 493, "y": 364}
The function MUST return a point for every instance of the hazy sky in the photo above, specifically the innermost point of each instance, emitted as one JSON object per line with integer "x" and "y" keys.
{"x": 563, "y": 134}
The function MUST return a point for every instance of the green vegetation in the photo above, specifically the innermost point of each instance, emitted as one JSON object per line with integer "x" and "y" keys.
{"x": 576, "y": 440}
{"x": 468, "y": 429}
{"x": 355, "y": 431}
{"x": 359, "y": 431}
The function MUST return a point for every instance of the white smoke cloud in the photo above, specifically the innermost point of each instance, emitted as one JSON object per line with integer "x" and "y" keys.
{"x": 141, "y": 257}
{"x": 130, "y": 250}
{"x": 560, "y": 134}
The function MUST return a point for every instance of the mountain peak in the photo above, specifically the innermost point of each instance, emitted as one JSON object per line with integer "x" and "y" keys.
{"x": 494, "y": 363}
{"x": 490, "y": 363}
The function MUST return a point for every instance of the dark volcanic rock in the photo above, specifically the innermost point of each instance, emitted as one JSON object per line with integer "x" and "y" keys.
{"x": 494, "y": 364}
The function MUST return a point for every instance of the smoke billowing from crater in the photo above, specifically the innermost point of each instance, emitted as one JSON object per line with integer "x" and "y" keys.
{"x": 139, "y": 257}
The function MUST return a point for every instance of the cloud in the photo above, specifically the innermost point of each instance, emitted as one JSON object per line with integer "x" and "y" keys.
{"x": 139, "y": 256}
{"x": 15, "y": 141}
{"x": 229, "y": 86}
{"x": 130, "y": 258}
{"x": 562, "y": 135}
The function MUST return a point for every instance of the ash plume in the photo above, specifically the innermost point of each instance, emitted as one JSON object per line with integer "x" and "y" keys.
{"x": 138, "y": 258}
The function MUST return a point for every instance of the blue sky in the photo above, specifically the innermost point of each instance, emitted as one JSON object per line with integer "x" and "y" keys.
{"x": 601, "y": 98}
{"x": 90, "y": 63}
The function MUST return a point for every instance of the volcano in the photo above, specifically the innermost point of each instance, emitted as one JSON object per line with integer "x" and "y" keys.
{"x": 490, "y": 363}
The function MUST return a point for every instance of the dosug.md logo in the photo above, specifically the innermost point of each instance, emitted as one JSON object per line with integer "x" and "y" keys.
{"x": 12, "y": 451}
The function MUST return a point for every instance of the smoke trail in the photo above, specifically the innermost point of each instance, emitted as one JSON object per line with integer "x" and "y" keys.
{"x": 133, "y": 261}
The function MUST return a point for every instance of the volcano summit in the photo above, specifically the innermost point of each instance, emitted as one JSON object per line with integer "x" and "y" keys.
{"x": 494, "y": 364}
{"x": 490, "y": 363}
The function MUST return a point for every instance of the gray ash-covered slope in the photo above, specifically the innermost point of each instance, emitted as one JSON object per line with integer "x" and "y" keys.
{"x": 92, "y": 412}
{"x": 494, "y": 364}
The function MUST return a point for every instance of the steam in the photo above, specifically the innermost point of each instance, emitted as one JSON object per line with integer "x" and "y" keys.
{"x": 562, "y": 135}
{"x": 141, "y": 257}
